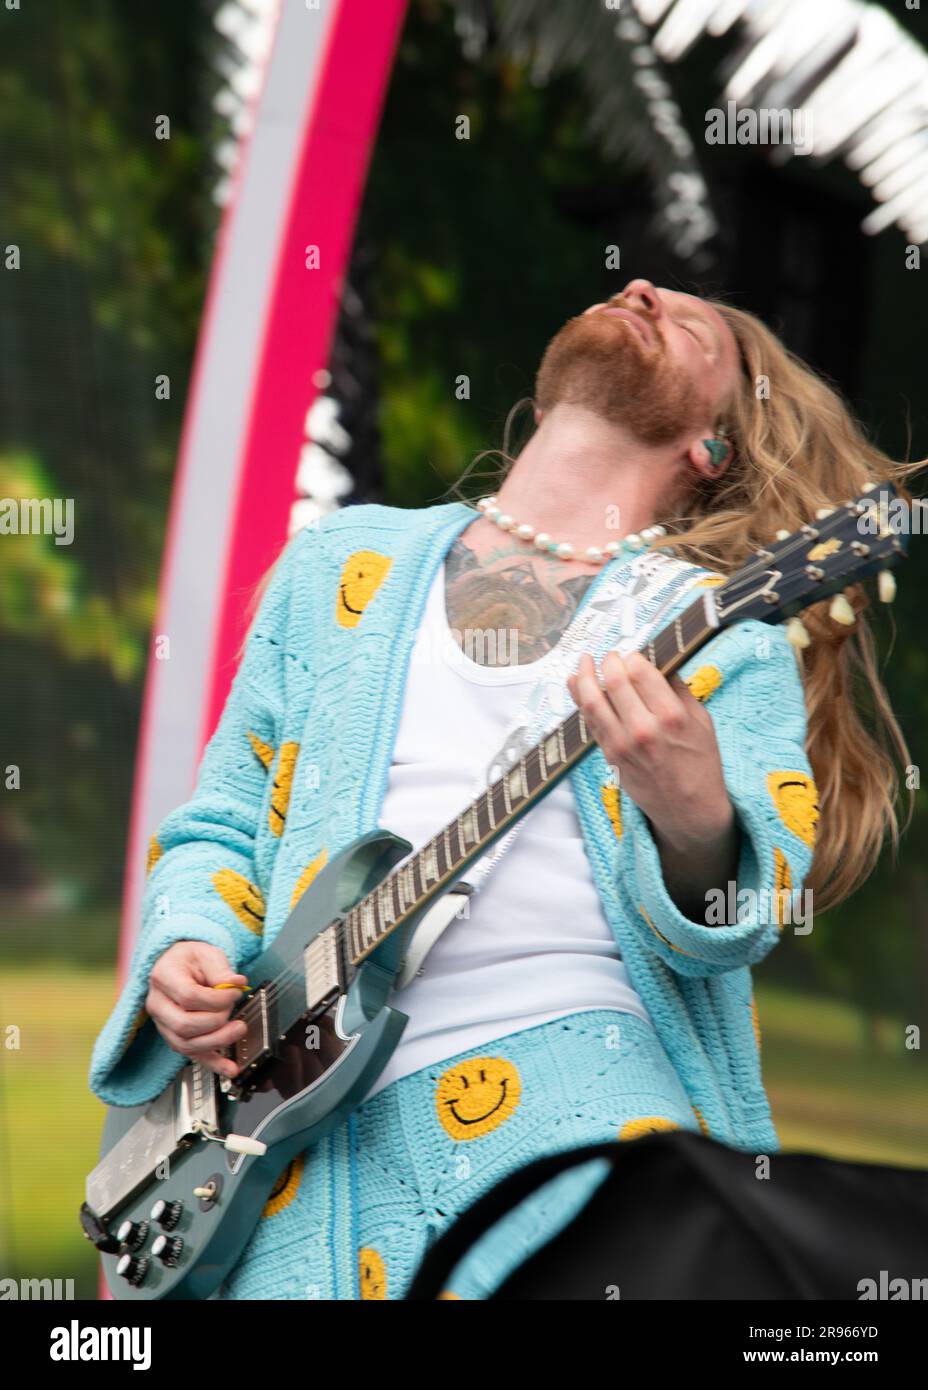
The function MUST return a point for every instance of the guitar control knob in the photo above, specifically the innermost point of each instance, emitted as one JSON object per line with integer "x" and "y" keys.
{"x": 133, "y": 1268}
{"x": 166, "y": 1214}
{"x": 132, "y": 1234}
{"x": 167, "y": 1249}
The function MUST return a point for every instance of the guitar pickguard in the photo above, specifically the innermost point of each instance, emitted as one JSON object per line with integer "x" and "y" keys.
{"x": 434, "y": 923}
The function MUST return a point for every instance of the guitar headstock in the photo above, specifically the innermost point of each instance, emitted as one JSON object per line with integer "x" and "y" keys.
{"x": 840, "y": 547}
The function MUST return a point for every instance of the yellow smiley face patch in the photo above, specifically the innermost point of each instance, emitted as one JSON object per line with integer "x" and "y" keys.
{"x": 782, "y": 885}
{"x": 700, "y": 1120}
{"x": 372, "y": 1274}
{"x": 285, "y": 1188}
{"x": 154, "y": 854}
{"x": 475, "y": 1097}
{"x": 646, "y": 1124}
{"x": 262, "y": 751}
{"x": 704, "y": 682}
{"x": 283, "y": 785}
{"x": 362, "y": 575}
{"x": 307, "y": 876}
{"x": 138, "y": 1023}
{"x": 245, "y": 899}
{"x": 613, "y": 804}
{"x": 796, "y": 799}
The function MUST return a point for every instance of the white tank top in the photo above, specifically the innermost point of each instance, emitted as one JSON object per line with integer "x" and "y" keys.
{"x": 536, "y": 945}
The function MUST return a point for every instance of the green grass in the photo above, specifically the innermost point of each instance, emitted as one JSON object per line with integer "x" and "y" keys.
{"x": 50, "y": 1123}
{"x": 831, "y": 1093}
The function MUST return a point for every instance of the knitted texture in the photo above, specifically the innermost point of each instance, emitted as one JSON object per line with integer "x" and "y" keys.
{"x": 432, "y": 1143}
{"x": 298, "y": 768}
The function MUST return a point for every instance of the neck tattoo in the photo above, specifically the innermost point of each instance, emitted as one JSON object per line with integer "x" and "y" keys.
{"x": 507, "y": 608}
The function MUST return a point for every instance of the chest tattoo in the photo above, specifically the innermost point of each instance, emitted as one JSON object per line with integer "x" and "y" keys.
{"x": 507, "y": 608}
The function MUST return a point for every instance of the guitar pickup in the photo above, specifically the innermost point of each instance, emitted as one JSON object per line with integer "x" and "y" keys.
{"x": 322, "y": 970}
{"x": 259, "y": 1042}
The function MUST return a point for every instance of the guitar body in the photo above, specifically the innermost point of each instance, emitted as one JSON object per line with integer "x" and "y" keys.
{"x": 319, "y": 1073}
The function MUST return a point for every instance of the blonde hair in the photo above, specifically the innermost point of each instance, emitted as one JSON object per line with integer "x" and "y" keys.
{"x": 795, "y": 450}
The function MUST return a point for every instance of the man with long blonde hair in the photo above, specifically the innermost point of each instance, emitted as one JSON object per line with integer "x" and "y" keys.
{"x": 590, "y": 994}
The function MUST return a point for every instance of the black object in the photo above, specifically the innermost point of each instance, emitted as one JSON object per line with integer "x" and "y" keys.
{"x": 96, "y": 1231}
{"x": 683, "y": 1217}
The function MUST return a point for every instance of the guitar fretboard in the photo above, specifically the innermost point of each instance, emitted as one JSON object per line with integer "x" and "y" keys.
{"x": 410, "y": 886}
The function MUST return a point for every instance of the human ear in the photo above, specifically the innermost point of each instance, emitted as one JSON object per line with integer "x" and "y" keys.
{"x": 710, "y": 456}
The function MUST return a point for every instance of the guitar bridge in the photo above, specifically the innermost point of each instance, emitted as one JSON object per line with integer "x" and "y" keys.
{"x": 168, "y": 1125}
{"x": 196, "y": 1101}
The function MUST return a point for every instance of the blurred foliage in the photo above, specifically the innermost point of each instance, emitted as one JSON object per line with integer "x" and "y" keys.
{"x": 113, "y": 230}
{"x": 479, "y": 250}
{"x": 43, "y": 595}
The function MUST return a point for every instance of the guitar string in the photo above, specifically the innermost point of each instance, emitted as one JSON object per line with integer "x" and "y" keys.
{"x": 293, "y": 975}
{"x": 486, "y": 800}
{"x": 250, "y": 1013}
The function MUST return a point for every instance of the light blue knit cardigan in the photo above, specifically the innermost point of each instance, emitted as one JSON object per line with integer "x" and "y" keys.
{"x": 336, "y": 690}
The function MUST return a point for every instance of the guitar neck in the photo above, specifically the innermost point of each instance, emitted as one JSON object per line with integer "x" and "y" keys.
{"x": 406, "y": 890}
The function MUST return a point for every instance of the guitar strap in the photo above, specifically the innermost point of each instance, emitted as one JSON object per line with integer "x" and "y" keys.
{"x": 627, "y": 609}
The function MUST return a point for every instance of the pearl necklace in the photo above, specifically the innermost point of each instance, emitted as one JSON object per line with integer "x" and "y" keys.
{"x": 563, "y": 550}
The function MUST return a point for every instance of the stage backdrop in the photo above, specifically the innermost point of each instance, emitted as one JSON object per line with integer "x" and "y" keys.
{"x": 272, "y": 304}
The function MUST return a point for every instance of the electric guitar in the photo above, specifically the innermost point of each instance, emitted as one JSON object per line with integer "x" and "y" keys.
{"x": 182, "y": 1181}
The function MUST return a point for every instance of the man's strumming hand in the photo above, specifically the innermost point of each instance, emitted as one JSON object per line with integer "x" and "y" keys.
{"x": 661, "y": 742}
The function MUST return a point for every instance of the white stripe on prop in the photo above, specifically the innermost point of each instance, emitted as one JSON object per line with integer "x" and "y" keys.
{"x": 207, "y": 484}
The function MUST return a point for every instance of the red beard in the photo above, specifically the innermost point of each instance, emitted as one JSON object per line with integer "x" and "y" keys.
{"x": 600, "y": 362}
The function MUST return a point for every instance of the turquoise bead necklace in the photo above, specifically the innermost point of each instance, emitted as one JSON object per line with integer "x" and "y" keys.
{"x": 563, "y": 550}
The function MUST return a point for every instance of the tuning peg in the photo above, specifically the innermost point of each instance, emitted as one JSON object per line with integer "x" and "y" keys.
{"x": 841, "y": 611}
{"x": 797, "y": 633}
{"x": 782, "y": 536}
{"x": 822, "y": 512}
{"x": 886, "y": 586}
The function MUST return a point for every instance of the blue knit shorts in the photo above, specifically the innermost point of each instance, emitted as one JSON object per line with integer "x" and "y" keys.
{"x": 353, "y": 1216}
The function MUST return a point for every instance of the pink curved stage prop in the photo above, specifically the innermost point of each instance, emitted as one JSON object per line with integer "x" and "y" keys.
{"x": 266, "y": 333}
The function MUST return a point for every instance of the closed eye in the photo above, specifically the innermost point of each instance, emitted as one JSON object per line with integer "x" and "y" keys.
{"x": 699, "y": 338}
